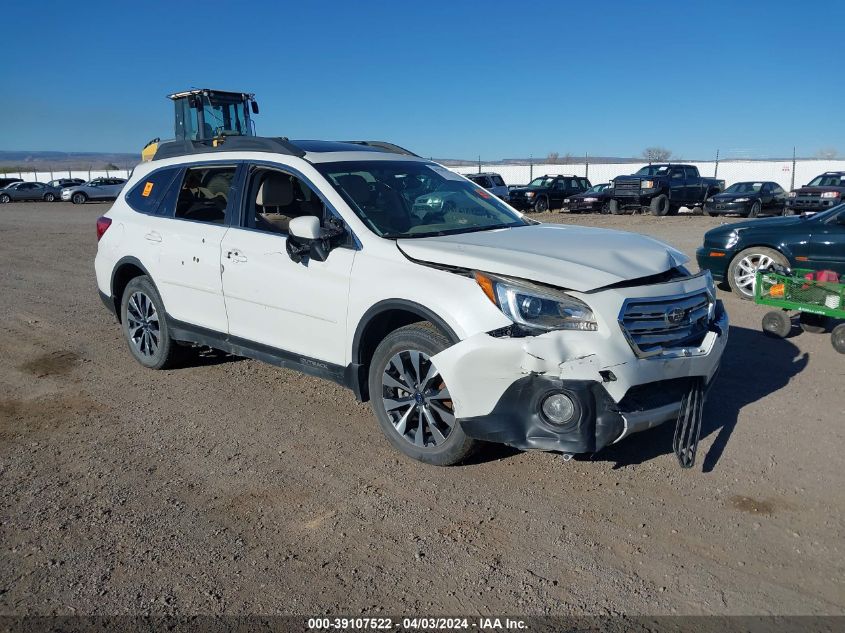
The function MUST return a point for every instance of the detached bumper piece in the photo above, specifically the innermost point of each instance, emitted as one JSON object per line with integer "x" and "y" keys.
{"x": 688, "y": 424}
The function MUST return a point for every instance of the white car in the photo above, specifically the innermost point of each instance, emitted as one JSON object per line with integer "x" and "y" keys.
{"x": 459, "y": 324}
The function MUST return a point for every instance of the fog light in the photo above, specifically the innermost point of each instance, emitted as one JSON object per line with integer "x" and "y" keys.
{"x": 558, "y": 408}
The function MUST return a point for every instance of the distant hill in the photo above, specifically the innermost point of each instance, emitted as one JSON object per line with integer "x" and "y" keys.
{"x": 43, "y": 161}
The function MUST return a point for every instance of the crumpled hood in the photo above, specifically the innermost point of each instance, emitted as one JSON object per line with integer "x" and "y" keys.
{"x": 573, "y": 257}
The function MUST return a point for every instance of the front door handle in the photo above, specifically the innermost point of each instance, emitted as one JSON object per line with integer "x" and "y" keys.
{"x": 236, "y": 256}
{"x": 153, "y": 236}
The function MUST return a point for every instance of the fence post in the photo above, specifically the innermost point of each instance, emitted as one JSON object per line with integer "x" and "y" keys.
{"x": 479, "y": 163}
{"x": 792, "y": 182}
{"x": 586, "y": 165}
{"x": 716, "y": 171}
{"x": 530, "y": 168}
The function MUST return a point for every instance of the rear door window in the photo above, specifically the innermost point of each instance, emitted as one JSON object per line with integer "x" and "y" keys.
{"x": 146, "y": 196}
{"x": 204, "y": 194}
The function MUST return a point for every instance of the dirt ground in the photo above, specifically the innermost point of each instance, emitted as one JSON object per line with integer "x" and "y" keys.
{"x": 235, "y": 487}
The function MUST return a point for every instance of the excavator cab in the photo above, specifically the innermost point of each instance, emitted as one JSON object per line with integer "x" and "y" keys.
{"x": 208, "y": 117}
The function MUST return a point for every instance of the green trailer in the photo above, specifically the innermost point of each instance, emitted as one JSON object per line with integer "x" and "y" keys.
{"x": 817, "y": 301}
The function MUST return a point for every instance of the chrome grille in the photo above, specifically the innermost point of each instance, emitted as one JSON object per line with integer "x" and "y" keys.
{"x": 659, "y": 324}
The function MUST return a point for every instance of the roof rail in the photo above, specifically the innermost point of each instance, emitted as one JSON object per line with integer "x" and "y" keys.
{"x": 388, "y": 147}
{"x": 278, "y": 145}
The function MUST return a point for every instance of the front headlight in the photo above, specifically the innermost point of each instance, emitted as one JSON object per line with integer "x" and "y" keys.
{"x": 830, "y": 194}
{"x": 534, "y": 307}
{"x": 529, "y": 194}
{"x": 792, "y": 194}
{"x": 733, "y": 238}
{"x": 647, "y": 184}
{"x": 591, "y": 199}
{"x": 566, "y": 201}
{"x": 742, "y": 199}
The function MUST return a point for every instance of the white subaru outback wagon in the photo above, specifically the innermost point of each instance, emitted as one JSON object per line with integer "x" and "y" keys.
{"x": 459, "y": 319}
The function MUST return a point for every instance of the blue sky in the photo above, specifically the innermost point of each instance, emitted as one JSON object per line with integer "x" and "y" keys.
{"x": 446, "y": 79}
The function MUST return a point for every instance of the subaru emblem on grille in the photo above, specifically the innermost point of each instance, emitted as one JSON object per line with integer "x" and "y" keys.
{"x": 675, "y": 315}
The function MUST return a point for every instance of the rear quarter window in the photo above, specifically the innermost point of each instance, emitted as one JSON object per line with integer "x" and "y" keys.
{"x": 147, "y": 194}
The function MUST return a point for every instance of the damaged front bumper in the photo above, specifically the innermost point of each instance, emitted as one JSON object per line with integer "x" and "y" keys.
{"x": 498, "y": 384}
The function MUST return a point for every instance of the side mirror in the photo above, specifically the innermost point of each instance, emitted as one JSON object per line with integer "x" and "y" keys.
{"x": 307, "y": 238}
{"x": 305, "y": 227}
{"x": 254, "y": 106}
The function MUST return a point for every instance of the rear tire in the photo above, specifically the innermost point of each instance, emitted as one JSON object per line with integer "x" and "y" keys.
{"x": 410, "y": 399}
{"x": 79, "y": 198}
{"x": 744, "y": 266}
{"x": 659, "y": 205}
{"x": 144, "y": 322}
{"x": 777, "y": 324}
{"x": 837, "y": 338}
{"x": 813, "y": 323}
{"x": 5, "y": 198}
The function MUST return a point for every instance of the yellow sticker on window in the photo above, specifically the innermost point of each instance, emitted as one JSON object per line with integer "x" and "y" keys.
{"x": 148, "y": 189}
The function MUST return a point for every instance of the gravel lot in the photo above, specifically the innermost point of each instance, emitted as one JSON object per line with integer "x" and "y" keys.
{"x": 235, "y": 487}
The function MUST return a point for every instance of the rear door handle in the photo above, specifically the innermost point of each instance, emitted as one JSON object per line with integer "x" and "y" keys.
{"x": 153, "y": 236}
{"x": 235, "y": 256}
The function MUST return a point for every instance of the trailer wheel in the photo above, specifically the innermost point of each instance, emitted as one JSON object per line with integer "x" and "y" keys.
{"x": 837, "y": 338}
{"x": 777, "y": 323}
{"x": 813, "y": 323}
{"x": 659, "y": 205}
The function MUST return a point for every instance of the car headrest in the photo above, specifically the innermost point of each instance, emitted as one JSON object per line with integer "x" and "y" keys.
{"x": 356, "y": 187}
{"x": 276, "y": 190}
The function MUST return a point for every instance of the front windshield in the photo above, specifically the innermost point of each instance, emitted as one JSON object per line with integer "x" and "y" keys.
{"x": 415, "y": 199}
{"x": 596, "y": 188}
{"x": 542, "y": 181}
{"x": 653, "y": 170}
{"x": 828, "y": 180}
{"x": 744, "y": 187}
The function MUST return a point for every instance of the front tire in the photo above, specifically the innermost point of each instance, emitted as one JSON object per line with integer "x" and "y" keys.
{"x": 659, "y": 205}
{"x": 145, "y": 326}
{"x": 49, "y": 197}
{"x": 613, "y": 207}
{"x": 777, "y": 323}
{"x": 411, "y": 401}
{"x": 79, "y": 198}
{"x": 755, "y": 210}
{"x": 542, "y": 205}
{"x": 743, "y": 268}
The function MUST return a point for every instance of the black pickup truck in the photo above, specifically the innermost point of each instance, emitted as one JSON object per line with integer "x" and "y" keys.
{"x": 662, "y": 189}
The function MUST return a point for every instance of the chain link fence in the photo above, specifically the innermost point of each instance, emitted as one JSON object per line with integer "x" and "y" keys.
{"x": 47, "y": 175}
{"x": 788, "y": 173}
